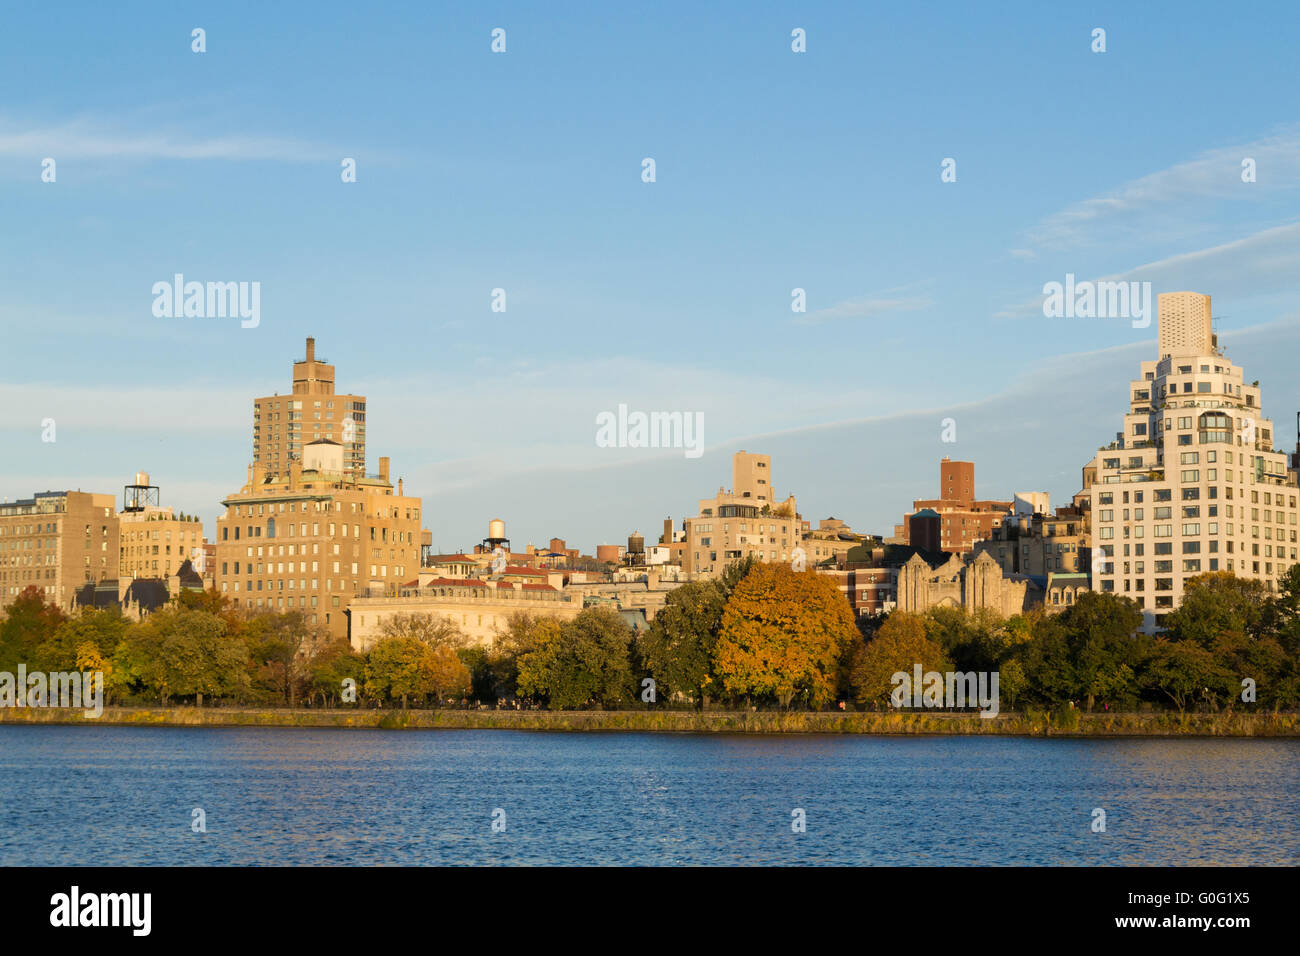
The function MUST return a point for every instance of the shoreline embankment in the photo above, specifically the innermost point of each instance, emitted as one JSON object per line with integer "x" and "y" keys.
{"x": 1019, "y": 724}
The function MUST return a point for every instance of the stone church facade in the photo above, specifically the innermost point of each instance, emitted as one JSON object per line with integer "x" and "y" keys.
{"x": 972, "y": 585}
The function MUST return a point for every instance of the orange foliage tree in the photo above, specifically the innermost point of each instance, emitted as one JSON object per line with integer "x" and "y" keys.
{"x": 784, "y": 634}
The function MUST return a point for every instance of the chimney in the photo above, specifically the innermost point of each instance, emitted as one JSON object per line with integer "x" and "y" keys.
{"x": 668, "y": 531}
{"x": 295, "y": 473}
{"x": 311, "y": 349}
{"x": 399, "y": 487}
{"x": 383, "y": 468}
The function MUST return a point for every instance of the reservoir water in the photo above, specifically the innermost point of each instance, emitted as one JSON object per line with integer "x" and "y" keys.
{"x": 126, "y": 796}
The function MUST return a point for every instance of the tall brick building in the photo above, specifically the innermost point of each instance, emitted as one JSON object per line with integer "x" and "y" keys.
{"x": 955, "y": 520}
{"x": 284, "y": 424}
{"x": 310, "y": 530}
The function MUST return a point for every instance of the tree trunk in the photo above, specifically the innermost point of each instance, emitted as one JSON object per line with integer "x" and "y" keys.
{"x": 198, "y": 699}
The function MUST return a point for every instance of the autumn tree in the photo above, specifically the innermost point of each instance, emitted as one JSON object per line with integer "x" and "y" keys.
{"x": 443, "y": 674}
{"x": 897, "y": 647}
{"x": 282, "y": 647}
{"x": 784, "y": 634}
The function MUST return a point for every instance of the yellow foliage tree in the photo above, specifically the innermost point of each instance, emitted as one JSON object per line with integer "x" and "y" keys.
{"x": 90, "y": 660}
{"x": 443, "y": 674}
{"x": 784, "y": 634}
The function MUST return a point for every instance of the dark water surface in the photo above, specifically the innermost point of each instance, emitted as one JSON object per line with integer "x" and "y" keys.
{"x": 125, "y": 795}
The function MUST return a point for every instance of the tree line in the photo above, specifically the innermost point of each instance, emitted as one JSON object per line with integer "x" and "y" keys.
{"x": 760, "y": 635}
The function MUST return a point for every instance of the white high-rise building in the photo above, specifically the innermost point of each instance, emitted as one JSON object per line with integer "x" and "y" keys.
{"x": 1194, "y": 483}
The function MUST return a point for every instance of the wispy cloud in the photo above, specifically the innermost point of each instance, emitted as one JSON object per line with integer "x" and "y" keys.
{"x": 1262, "y": 263}
{"x": 865, "y": 308}
{"x": 1213, "y": 175}
{"x": 84, "y": 138}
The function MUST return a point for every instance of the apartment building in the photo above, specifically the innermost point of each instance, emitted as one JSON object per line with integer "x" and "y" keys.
{"x": 955, "y": 520}
{"x": 57, "y": 541}
{"x": 314, "y": 537}
{"x": 1040, "y": 543}
{"x": 744, "y": 520}
{"x": 155, "y": 541}
{"x": 830, "y": 543}
{"x": 1193, "y": 483}
{"x": 869, "y": 590}
{"x": 283, "y": 425}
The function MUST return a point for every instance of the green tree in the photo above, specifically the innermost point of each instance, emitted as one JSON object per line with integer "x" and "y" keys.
{"x": 1048, "y": 665}
{"x": 582, "y": 661}
{"x": 500, "y": 672}
{"x": 28, "y": 623}
{"x": 1012, "y": 682}
{"x": 182, "y": 653}
{"x": 897, "y": 647}
{"x": 101, "y": 627}
{"x": 678, "y": 646}
{"x": 1218, "y": 603}
{"x": 334, "y": 663}
{"x": 1285, "y": 612}
{"x": 393, "y": 669}
{"x": 1183, "y": 671}
{"x": 1105, "y": 650}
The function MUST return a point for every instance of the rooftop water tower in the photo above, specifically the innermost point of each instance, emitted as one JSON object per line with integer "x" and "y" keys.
{"x": 496, "y": 536}
{"x": 140, "y": 495}
{"x": 635, "y": 556}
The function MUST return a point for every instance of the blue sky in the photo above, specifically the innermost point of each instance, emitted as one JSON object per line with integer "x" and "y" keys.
{"x": 522, "y": 171}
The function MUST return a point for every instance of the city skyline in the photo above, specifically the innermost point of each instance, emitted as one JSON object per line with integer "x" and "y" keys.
{"x": 640, "y": 471}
